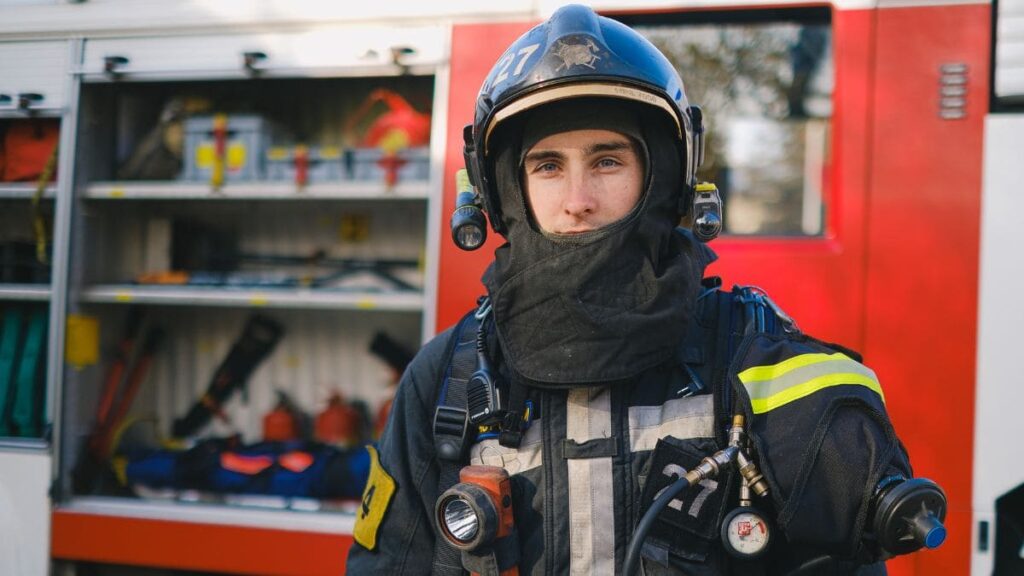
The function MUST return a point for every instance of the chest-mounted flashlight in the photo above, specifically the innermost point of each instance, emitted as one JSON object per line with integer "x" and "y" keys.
{"x": 469, "y": 225}
{"x": 475, "y": 516}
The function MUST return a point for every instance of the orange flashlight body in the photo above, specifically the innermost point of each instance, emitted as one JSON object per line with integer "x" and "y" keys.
{"x": 495, "y": 480}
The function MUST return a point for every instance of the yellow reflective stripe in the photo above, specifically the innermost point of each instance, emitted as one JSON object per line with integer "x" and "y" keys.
{"x": 759, "y": 373}
{"x": 764, "y": 388}
{"x": 770, "y": 387}
{"x": 762, "y": 405}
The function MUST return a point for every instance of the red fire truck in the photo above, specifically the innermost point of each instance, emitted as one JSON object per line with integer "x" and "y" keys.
{"x": 868, "y": 151}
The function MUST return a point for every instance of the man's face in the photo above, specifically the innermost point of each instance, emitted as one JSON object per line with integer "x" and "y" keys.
{"x": 581, "y": 180}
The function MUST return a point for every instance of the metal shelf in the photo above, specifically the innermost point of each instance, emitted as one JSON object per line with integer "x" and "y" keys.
{"x": 178, "y": 510}
{"x": 36, "y": 292}
{"x": 25, "y": 191}
{"x": 174, "y": 190}
{"x": 13, "y": 113}
{"x": 254, "y": 298}
{"x": 13, "y": 444}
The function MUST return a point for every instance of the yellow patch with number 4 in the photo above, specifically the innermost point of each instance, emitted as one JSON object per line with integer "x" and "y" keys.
{"x": 376, "y": 497}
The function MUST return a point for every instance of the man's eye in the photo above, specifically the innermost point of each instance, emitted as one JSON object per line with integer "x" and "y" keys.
{"x": 608, "y": 163}
{"x": 546, "y": 167}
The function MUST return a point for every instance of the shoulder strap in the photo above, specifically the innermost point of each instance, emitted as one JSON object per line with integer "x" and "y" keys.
{"x": 721, "y": 320}
{"x": 451, "y": 426}
{"x": 451, "y": 419}
{"x": 761, "y": 313}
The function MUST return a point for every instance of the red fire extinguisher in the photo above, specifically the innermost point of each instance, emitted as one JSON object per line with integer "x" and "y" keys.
{"x": 339, "y": 423}
{"x": 280, "y": 424}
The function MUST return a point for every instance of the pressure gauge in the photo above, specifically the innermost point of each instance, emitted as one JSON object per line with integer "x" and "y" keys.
{"x": 746, "y": 533}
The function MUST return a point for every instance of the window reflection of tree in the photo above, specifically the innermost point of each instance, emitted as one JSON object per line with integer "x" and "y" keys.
{"x": 762, "y": 87}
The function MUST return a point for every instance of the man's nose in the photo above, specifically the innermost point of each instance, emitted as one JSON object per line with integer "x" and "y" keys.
{"x": 580, "y": 198}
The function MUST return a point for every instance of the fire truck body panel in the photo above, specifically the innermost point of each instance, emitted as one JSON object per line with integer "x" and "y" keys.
{"x": 916, "y": 267}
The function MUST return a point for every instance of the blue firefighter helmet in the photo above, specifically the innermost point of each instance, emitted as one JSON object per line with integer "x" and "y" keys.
{"x": 576, "y": 54}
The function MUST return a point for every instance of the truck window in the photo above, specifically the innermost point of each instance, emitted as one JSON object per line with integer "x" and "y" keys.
{"x": 764, "y": 81}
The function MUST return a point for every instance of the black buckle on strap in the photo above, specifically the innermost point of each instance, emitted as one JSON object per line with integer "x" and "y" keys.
{"x": 511, "y": 431}
{"x": 451, "y": 430}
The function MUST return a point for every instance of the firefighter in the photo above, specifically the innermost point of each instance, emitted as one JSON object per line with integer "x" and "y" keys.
{"x": 598, "y": 355}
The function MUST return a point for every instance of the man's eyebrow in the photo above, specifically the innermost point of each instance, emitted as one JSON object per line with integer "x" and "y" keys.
{"x": 611, "y": 146}
{"x": 538, "y": 155}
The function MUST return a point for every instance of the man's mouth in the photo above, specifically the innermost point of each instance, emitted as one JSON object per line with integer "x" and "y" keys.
{"x": 576, "y": 230}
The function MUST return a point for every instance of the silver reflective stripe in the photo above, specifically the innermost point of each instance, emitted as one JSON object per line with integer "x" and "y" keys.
{"x": 528, "y": 456}
{"x": 591, "y": 492}
{"x": 785, "y": 379}
{"x": 681, "y": 418}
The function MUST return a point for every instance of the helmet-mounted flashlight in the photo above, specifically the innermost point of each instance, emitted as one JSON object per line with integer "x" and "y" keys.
{"x": 469, "y": 225}
{"x": 707, "y": 212}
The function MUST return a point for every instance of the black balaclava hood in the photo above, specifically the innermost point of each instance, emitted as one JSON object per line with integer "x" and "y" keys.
{"x": 605, "y": 305}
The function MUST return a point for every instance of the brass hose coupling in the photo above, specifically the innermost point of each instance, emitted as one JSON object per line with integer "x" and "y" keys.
{"x": 748, "y": 469}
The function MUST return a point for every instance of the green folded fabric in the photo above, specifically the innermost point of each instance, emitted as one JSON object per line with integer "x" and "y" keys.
{"x": 10, "y": 335}
{"x": 30, "y": 383}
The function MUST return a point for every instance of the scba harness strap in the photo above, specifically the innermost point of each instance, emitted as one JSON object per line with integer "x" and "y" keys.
{"x": 725, "y": 318}
{"x": 451, "y": 427}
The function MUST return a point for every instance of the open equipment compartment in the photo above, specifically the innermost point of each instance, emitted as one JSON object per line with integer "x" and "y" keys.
{"x": 316, "y": 229}
{"x": 34, "y": 104}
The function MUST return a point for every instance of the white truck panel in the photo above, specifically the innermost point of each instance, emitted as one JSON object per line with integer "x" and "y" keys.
{"x": 1009, "y": 58}
{"x": 146, "y": 17}
{"x": 335, "y": 50}
{"x": 997, "y": 464}
{"x": 547, "y": 7}
{"x": 34, "y": 68}
{"x": 25, "y": 510}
